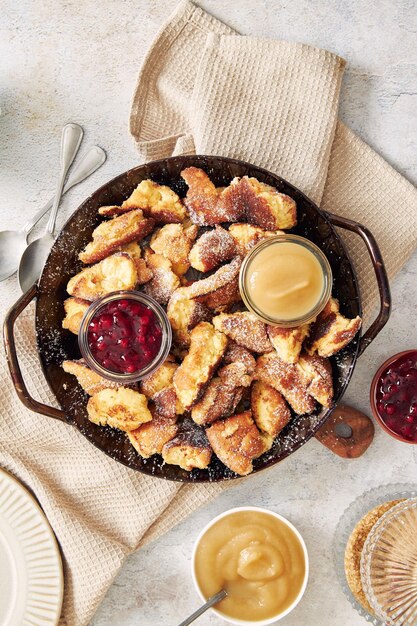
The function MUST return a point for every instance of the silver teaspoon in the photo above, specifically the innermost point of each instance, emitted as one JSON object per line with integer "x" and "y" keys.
{"x": 35, "y": 255}
{"x": 14, "y": 242}
{"x": 210, "y": 602}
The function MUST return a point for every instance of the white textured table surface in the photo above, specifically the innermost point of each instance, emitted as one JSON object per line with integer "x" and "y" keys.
{"x": 78, "y": 61}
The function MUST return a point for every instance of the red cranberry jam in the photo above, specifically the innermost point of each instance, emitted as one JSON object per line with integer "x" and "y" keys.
{"x": 124, "y": 336}
{"x": 396, "y": 397}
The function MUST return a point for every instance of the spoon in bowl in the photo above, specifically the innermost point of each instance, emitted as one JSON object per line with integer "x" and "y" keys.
{"x": 220, "y": 595}
{"x": 35, "y": 255}
{"x": 14, "y": 242}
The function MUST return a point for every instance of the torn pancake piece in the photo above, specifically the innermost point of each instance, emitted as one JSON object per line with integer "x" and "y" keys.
{"x": 288, "y": 342}
{"x": 266, "y": 206}
{"x": 159, "y": 379}
{"x": 74, "y": 311}
{"x": 157, "y": 201}
{"x": 317, "y": 374}
{"x": 287, "y": 379}
{"x": 245, "y": 329}
{"x": 116, "y": 272}
{"x": 110, "y": 235}
{"x": 164, "y": 281}
{"x": 236, "y": 441}
{"x": 219, "y": 400}
{"x": 174, "y": 242}
{"x": 89, "y": 380}
{"x": 120, "y": 408}
{"x": 190, "y": 447}
{"x": 207, "y": 204}
{"x": 184, "y": 314}
{"x": 151, "y": 437}
{"x": 269, "y": 409}
{"x": 221, "y": 277}
{"x": 206, "y": 350}
{"x": 332, "y": 331}
{"x": 246, "y": 236}
{"x": 211, "y": 249}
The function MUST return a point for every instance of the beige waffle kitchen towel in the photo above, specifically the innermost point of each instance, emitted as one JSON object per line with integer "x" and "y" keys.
{"x": 202, "y": 88}
{"x": 205, "y": 89}
{"x": 100, "y": 511}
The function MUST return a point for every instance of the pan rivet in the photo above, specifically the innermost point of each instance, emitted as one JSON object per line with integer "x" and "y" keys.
{"x": 343, "y": 430}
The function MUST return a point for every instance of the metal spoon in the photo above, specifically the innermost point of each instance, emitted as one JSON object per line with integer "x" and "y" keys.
{"x": 210, "y": 602}
{"x": 14, "y": 242}
{"x": 35, "y": 255}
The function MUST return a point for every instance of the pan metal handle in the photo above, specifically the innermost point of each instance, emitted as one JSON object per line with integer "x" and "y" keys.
{"x": 380, "y": 273}
{"x": 13, "y": 362}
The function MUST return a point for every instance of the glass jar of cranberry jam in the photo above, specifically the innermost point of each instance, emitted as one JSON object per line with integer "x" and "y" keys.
{"x": 125, "y": 336}
{"x": 394, "y": 396}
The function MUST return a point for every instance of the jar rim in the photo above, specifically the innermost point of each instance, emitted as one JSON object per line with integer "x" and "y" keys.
{"x": 327, "y": 280}
{"x": 121, "y": 377}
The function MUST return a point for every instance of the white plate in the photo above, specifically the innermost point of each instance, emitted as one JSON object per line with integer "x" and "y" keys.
{"x": 31, "y": 576}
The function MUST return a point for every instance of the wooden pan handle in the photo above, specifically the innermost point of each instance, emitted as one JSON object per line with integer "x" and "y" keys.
{"x": 347, "y": 432}
{"x": 13, "y": 362}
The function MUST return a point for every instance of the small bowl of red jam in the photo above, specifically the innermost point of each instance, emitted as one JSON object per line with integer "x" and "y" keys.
{"x": 394, "y": 396}
{"x": 125, "y": 336}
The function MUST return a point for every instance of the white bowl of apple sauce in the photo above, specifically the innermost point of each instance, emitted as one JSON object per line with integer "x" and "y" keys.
{"x": 259, "y": 558}
{"x": 285, "y": 280}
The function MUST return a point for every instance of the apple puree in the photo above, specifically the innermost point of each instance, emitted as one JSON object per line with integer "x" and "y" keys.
{"x": 257, "y": 558}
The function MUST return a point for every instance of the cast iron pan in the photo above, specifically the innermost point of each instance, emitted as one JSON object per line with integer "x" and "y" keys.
{"x": 56, "y": 344}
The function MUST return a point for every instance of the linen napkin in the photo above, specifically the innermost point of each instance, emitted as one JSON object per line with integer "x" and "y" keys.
{"x": 204, "y": 89}
{"x": 201, "y": 88}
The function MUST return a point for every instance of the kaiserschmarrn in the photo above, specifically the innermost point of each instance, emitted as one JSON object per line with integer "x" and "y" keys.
{"x": 231, "y": 383}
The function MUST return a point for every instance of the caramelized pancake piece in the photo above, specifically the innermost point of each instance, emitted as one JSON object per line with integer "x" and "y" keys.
{"x": 223, "y": 276}
{"x": 236, "y": 441}
{"x": 74, "y": 311}
{"x": 211, "y": 249}
{"x": 111, "y": 210}
{"x": 160, "y": 379}
{"x": 288, "y": 341}
{"x": 167, "y": 403}
{"x": 219, "y": 401}
{"x": 267, "y": 442}
{"x": 156, "y": 201}
{"x": 120, "y": 408}
{"x": 145, "y": 274}
{"x": 189, "y": 448}
{"x": 235, "y": 374}
{"x": 109, "y": 236}
{"x": 222, "y": 299}
{"x": 116, "y": 272}
{"x": 184, "y": 315}
{"x": 134, "y": 251}
{"x": 317, "y": 372}
{"x": 238, "y": 354}
{"x": 206, "y": 350}
{"x": 90, "y": 381}
{"x": 269, "y": 409}
{"x": 331, "y": 331}
{"x": 151, "y": 437}
{"x": 245, "y": 329}
{"x": 265, "y": 206}
{"x": 174, "y": 242}
{"x": 287, "y": 379}
{"x": 164, "y": 281}
{"x": 246, "y": 236}
{"x": 207, "y": 204}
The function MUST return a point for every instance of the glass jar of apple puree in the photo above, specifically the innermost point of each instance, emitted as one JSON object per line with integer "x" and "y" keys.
{"x": 285, "y": 280}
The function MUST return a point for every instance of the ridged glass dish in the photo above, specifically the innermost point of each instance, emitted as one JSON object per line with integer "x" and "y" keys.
{"x": 351, "y": 516}
{"x": 389, "y": 565}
